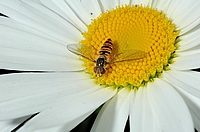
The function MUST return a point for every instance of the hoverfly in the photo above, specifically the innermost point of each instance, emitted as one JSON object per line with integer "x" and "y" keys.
{"x": 106, "y": 56}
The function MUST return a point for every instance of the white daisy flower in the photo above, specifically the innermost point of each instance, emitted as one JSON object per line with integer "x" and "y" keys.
{"x": 149, "y": 64}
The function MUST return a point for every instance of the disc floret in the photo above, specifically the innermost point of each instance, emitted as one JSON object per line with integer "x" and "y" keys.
{"x": 138, "y": 28}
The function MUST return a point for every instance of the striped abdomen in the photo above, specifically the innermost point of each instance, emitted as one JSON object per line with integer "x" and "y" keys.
{"x": 107, "y": 47}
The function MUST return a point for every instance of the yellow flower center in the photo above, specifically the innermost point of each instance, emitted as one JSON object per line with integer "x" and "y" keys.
{"x": 132, "y": 28}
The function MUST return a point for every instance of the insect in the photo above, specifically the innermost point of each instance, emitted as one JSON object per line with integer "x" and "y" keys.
{"x": 106, "y": 55}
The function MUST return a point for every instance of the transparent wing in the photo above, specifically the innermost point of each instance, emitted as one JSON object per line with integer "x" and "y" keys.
{"x": 81, "y": 50}
{"x": 128, "y": 55}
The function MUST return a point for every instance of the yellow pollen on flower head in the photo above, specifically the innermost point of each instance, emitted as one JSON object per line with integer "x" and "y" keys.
{"x": 132, "y": 28}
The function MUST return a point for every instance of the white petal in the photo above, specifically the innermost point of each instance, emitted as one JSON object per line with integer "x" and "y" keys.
{"x": 85, "y": 10}
{"x": 187, "y": 80}
{"x": 196, "y": 121}
{"x": 194, "y": 106}
{"x": 132, "y": 100}
{"x": 63, "y": 9}
{"x": 26, "y": 51}
{"x": 29, "y": 38}
{"x": 182, "y": 14}
{"x": 193, "y": 51}
{"x": 192, "y": 26}
{"x": 143, "y": 2}
{"x": 52, "y": 129}
{"x": 186, "y": 60}
{"x": 34, "y": 61}
{"x": 114, "y": 114}
{"x": 72, "y": 123}
{"x": 124, "y": 2}
{"x": 40, "y": 18}
{"x": 179, "y": 11}
{"x": 71, "y": 109}
{"x": 162, "y": 5}
{"x": 190, "y": 40}
{"x": 6, "y": 126}
{"x": 169, "y": 108}
{"x": 109, "y": 4}
{"x": 142, "y": 116}
{"x": 9, "y": 125}
{"x": 7, "y": 22}
{"x": 21, "y": 37}
{"x": 27, "y": 93}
